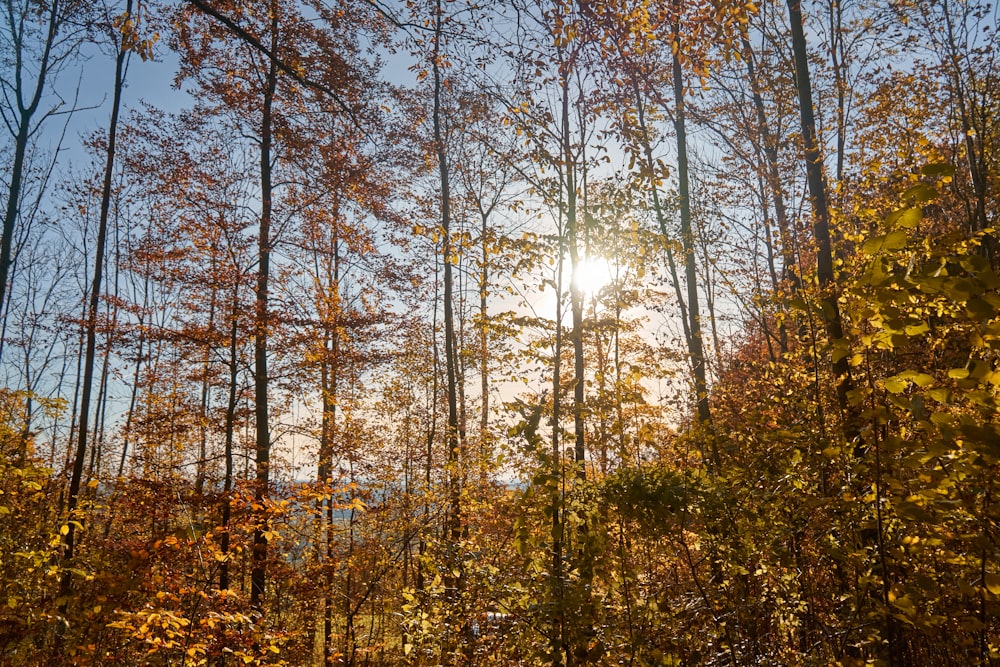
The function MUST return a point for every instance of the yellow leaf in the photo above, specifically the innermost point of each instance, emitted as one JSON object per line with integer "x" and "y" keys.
{"x": 992, "y": 583}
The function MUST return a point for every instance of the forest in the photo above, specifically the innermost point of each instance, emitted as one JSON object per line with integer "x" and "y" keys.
{"x": 518, "y": 332}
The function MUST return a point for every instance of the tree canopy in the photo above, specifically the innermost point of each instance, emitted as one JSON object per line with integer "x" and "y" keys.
{"x": 533, "y": 332}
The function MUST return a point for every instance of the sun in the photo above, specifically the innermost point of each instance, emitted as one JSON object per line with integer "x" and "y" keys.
{"x": 592, "y": 274}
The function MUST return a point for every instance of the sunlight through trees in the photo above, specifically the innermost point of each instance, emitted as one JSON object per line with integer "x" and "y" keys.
{"x": 532, "y": 332}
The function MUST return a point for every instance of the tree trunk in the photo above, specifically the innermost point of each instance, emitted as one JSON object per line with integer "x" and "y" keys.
{"x": 772, "y": 173}
{"x": 201, "y": 468}
{"x": 329, "y": 376}
{"x": 850, "y": 418}
{"x": 557, "y": 642}
{"x": 576, "y": 293}
{"x": 258, "y": 573}
{"x": 69, "y": 544}
{"x": 230, "y": 429}
{"x": 484, "y": 337}
{"x": 26, "y": 112}
{"x": 134, "y": 392}
{"x": 821, "y": 224}
{"x": 695, "y": 342}
{"x": 661, "y": 218}
{"x": 452, "y": 435}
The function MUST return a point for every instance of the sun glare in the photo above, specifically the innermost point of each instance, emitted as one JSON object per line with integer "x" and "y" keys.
{"x": 592, "y": 274}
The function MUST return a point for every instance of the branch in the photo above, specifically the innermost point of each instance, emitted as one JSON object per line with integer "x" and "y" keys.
{"x": 279, "y": 63}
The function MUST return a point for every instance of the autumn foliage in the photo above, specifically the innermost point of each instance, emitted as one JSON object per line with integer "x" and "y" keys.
{"x": 534, "y": 332}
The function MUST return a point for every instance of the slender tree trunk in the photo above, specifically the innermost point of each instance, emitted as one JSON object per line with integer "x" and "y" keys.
{"x": 101, "y": 411}
{"x": 821, "y": 224}
{"x": 713, "y": 322}
{"x": 431, "y": 431}
{"x": 557, "y": 642}
{"x": 13, "y": 204}
{"x": 484, "y": 335}
{"x": 816, "y": 181}
{"x": 452, "y": 438}
{"x": 695, "y": 341}
{"x": 329, "y": 376}
{"x": 775, "y": 287}
{"x": 576, "y": 293}
{"x": 837, "y": 64}
{"x": 258, "y": 573}
{"x": 22, "y": 448}
{"x": 661, "y": 218}
{"x": 134, "y": 393}
{"x": 69, "y": 543}
{"x": 575, "y": 235}
{"x": 230, "y": 430}
{"x": 349, "y": 609}
{"x": 772, "y": 172}
{"x": 26, "y": 112}
{"x": 325, "y": 470}
{"x": 203, "y": 407}
{"x": 458, "y": 292}
{"x": 973, "y": 138}
{"x": 81, "y": 345}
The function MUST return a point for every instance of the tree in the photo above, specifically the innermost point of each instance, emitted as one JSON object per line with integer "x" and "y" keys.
{"x": 260, "y": 75}
{"x": 816, "y": 180}
{"x": 42, "y": 39}
{"x": 964, "y": 48}
{"x": 127, "y": 41}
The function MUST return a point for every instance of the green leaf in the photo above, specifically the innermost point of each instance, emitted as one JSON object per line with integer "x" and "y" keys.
{"x": 895, "y": 385}
{"x": 980, "y": 369}
{"x": 921, "y": 193}
{"x": 872, "y": 245}
{"x": 907, "y": 218}
{"x": 905, "y": 604}
{"x": 892, "y": 241}
{"x": 829, "y": 313}
{"x": 901, "y": 402}
{"x": 959, "y": 289}
{"x": 938, "y": 170}
{"x": 940, "y": 395}
{"x": 992, "y": 299}
{"x": 979, "y": 309}
{"x": 876, "y": 273}
{"x": 895, "y": 240}
{"x": 839, "y": 349}
{"x": 911, "y": 511}
{"x": 916, "y": 377}
{"x": 974, "y": 263}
